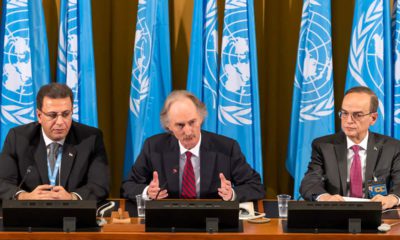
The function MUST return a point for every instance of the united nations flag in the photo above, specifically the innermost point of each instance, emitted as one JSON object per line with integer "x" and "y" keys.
{"x": 370, "y": 57}
{"x": 313, "y": 99}
{"x": 396, "y": 73}
{"x": 24, "y": 62}
{"x": 238, "y": 99}
{"x": 203, "y": 63}
{"x": 151, "y": 76}
{"x": 75, "y": 62}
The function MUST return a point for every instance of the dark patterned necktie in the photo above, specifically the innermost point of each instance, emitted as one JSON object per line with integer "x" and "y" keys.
{"x": 188, "y": 180}
{"x": 355, "y": 174}
{"x": 53, "y": 152}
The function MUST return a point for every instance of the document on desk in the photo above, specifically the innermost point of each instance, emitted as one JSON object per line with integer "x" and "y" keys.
{"x": 353, "y": 199}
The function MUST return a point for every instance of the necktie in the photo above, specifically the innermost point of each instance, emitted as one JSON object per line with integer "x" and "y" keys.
{"x": 53, "y": 151}
{"x": 188, "y": 180}
{"x": 355, "y": 174}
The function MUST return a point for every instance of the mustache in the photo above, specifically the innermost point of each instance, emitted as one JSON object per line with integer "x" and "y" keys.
{"x": 189, "y": 137}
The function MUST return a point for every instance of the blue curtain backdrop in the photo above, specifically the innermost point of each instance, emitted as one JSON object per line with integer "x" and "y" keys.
{"x": 238, "y": 98}
{"x": 151, "y": 76}
{"x": 203, "y": 62}
{"x": 24, "y": 62}
{"x": 313, "y": 112}
{"x": 370, "y": 57}
{"x": 75, "y": 62}
{"x": 396, "y": 69}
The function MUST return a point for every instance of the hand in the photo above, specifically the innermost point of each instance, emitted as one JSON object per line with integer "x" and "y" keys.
{"x": 387, "y": 201}
{"x": 154, "y": 188}
{"x": 41, "y": 192}
{"x": 225, "y": 191}
{"x": 329, "y": 197}
{"x": 59, "y": 193}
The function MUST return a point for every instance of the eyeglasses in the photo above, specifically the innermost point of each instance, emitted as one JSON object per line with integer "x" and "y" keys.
{"x": 53, "y": 115}
{"x": 356, "y": 116}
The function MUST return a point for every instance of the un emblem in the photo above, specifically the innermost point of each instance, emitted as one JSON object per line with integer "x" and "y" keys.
{"x": 235, "y": 79}
{"x": 141, "y": 61}
{"x": 68, "y": 52}
{"x": 314, "y": 70}
{"x": 17, "y": 85}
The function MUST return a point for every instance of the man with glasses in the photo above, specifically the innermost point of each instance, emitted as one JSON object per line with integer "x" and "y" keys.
{"x": 54, "y": 158}
{"x": 355, "y": 162}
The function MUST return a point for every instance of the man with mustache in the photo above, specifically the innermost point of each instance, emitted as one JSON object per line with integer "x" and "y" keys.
{"x": 54, "y": 158}
{"x": 190, "y": 163}
{"x": 355, "y": 161}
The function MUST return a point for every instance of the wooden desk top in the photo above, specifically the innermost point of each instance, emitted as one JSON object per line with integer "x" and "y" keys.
{"x": 271, "y": 230}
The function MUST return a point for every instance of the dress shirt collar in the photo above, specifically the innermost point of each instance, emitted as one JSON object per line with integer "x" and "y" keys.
{"x": 195, "y": 151}
{"x": 47, "y": 140}
{"x": 363, "y": 144}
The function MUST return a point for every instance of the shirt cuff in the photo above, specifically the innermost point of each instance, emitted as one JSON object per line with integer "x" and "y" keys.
{"x": 233, "y": 195}
{"x": 145, "y": 196}
{"x": 17, "y": 193}
{"x": 319, "y": 196}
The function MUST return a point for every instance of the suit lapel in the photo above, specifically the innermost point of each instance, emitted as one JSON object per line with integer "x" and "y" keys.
{"x": 171, "y": 167}
{"x": 40, "y": 156}
{"x": 341, "y": 156}
{"x": 67, "y": 161}
{"x": 373, "y": 149}
{"x": 207, "y": 165}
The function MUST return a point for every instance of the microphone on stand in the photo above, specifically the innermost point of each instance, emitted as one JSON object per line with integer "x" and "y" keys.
{"x": 28, "y": 171}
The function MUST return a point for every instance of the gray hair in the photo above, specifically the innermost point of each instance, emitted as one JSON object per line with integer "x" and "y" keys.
{"x": 177, "y": 95}
{"x": 373, "y": 98}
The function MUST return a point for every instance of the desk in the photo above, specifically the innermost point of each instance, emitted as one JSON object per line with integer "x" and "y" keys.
{"x": 272, "y": 230}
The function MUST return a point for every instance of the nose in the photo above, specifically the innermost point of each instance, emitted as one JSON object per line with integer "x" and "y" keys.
{"x": 59, "y": 119}
{"x": 187, "y": 129}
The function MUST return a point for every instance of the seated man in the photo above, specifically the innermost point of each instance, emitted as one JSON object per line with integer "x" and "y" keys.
{"x": 190, "y": 163}
{"x": 54, "y": 158}
{"x": 351, "y": 161}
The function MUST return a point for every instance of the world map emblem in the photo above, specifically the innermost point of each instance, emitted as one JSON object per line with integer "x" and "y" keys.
{"x": 68, "y": 52}
{"x": 314, "y": 65}
{"x": 17, "y": 85}
{"x": 141, "y": 61}
{"x": 235, "y": 103}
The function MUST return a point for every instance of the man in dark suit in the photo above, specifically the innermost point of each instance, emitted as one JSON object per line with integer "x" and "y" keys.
{"x": 190, "y": 163}
{"x": 347, "y": 163}
{"x": 59, "y": 159}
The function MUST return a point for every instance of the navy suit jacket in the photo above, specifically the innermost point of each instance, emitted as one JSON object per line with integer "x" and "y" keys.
{"x": 84, "y": 167}
{"x": 327, "y": 171}
{"x": 218, "y": 154}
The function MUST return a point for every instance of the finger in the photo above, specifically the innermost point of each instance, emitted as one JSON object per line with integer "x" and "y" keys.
{"x": 44, "y": 187}
{"x": 222, "y": 177}
{"x": 155, "y": 177}
{"x": 58, "y": 188}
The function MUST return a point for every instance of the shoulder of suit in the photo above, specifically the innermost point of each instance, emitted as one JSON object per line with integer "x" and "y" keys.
{"x": 384, "y": 139}
{"x": 27, "y": 129}
{"x": 332, "y": 138}
{"x": 82, "y": 130}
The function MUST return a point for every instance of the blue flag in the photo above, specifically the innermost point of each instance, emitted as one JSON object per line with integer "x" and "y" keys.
{"x": 24, "y": 61}
{"x": 396, "y": 73}
{"x": 370, "y": 57}
{"x": 238, "y": 99}
{"x": 75, "y": 62}
{"x": 151, "y": 76}
{"x": 313, "y": 112}
{"x": 203, "y": 63}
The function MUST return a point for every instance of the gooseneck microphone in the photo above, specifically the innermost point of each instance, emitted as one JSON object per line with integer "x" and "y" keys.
{"x": 28, "y": 171}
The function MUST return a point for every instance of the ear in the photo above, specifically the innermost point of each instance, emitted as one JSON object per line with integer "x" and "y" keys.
{"x": 374, "y": 117}
{"x": 39, "y": 115}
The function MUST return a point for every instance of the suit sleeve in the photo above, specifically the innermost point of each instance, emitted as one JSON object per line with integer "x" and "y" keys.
{"x": 140, "y": 175}
{"x": 9, "y": 176}
{"x": 97, "y": 184}
{"x": 246, "y": 181}
{"x": 313, "y": 184}
{"x": 395, "y": 172}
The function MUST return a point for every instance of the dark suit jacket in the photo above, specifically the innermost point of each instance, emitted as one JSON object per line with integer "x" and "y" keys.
{"x": 218, "y": 154}
{"x": 84, "y": 167}
{"x": 327, "y": 171}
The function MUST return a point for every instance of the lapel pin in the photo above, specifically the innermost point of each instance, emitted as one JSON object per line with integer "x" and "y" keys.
{"x": 375, "y": 148}
{"x": 70, "y": 154}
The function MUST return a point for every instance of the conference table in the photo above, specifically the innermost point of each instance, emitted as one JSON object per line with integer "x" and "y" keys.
{"x": 136, "y": 230}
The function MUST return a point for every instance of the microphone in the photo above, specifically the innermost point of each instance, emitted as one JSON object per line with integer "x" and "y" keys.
{"x": 28, "y": 171}
{"x": 173, "y": 171}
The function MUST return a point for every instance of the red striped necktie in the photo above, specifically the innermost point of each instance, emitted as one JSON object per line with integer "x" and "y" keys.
{"x": 188, "y": 180}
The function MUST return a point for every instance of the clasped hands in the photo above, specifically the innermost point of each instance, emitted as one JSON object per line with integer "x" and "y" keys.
{"x": 46, "y": 192}
{"x": 387, "y": 201}
{"x": 225, "y": 191}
